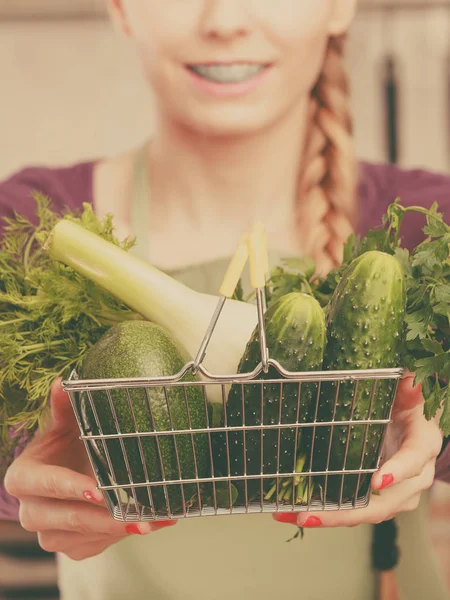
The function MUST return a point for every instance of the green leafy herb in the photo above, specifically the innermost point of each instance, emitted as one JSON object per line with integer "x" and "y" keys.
{"x": 49, "y": 317}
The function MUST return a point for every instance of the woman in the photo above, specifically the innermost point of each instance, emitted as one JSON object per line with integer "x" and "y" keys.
{"x": 252, "y": 122}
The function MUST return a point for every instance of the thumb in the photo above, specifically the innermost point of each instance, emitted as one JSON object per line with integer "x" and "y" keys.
{"x": 62, "y": 413}
{"x": 408, "y": 395}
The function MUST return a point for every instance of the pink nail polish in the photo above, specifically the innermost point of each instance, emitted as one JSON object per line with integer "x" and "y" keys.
{"x": 312, "y": 522}
{"x": 386, "y": 481}
{"x": 286, "y": 518}
{"x": 90, "y": 496}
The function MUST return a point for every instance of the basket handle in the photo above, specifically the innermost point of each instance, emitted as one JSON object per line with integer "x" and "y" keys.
{"x": 227, "y": 288}
{"x": 259, "y": 268}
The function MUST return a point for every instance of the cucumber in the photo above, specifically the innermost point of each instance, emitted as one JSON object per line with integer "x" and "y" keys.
{"x": 143, "y": 349}
{"x": 295, "y": 333}
{"x": 364, "y": 331}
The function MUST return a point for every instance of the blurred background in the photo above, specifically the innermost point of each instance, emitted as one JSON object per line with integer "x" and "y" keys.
{"x": 72, "y": 90}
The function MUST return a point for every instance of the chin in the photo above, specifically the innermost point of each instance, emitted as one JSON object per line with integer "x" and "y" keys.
{"x": 229, "y": 121}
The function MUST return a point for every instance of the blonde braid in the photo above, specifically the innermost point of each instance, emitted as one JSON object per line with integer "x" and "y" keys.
{"x": 328, "y": 182}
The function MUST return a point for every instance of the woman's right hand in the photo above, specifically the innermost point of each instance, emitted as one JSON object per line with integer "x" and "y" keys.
{"x": 56, "y": 487}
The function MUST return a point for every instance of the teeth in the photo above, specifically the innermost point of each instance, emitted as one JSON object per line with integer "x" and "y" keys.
{"x": 227, "y": 73}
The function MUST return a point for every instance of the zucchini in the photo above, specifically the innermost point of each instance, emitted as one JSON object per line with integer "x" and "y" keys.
{"x": 144, "y": 349}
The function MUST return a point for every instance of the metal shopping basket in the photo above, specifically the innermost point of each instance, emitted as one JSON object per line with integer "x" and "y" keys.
{"x": 302, "y": 473}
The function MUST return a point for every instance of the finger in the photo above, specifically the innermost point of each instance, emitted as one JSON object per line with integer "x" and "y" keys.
{"x": 31, "y": 478}
{"x": 53, "y": 540}
{"x": 408, "y": 396}
{"x": 84, "y": 551}
{"x": 412, "y": 504}
{"x": 39, "y": 514}
{"x": 422, "y": 442}
{"x": 402, "y": 497}
{"x": 61, "y": 408}
{"x": 88, "y": 550}
{"x": 374, "y": 513}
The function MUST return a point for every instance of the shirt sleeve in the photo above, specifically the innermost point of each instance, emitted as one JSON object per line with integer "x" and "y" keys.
{"x": 380, "y": 185}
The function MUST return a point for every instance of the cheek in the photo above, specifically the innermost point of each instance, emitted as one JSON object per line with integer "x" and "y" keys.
{"x": 301, "y": 34}
{"x": 159, "y": 31}
{"x": 295, "y": 19}
{"x": 304, "y": 60}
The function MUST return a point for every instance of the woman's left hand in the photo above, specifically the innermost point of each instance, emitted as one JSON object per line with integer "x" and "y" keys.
{"x": 412, "y": 446}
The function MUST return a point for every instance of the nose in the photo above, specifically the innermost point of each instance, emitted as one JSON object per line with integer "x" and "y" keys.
{"x": 225, "y": 19}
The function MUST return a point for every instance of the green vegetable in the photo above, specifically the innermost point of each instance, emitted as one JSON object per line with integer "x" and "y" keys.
{"x": 295, "y": 331}
{"x": 143, "y": 349}
{"x": 49, "y": 319}
{"x": 426, "y": 349}
{"x": 183, "y": 312}
{"x": 364, "y": 331}
{"x": 50, "y": 315}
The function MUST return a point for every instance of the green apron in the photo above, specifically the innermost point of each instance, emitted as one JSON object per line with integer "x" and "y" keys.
{"x": 244, "y": 556}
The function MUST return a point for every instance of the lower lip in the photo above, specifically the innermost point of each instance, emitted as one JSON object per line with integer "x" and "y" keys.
{"x": 227, "y": 90}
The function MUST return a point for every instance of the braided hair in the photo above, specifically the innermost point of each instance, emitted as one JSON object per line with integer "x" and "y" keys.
{"x": 328, "y": 180}
{"x": 326, "y": 215}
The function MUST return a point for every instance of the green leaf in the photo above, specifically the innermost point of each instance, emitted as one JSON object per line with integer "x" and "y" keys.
{"x": 417, "y": 323}
{"x": 303, "y": 266}
{"x": 403, "y": 257}
{"x": 435, "y": 226}
{"x": 376, "y": 239}
{"x": 427, "y": 387}
{"x": 409, "y": 362}
{"x": 432, "y": 346}
{"x": 442, "y": 308}
{"x": 223, "y": 495}
{"x": 433, "y": 397}
{"x": 444, "y": 421}
{"x": 426, "y": 367}
{"x": 442, "y": 293}
{"x": 350, "y": 247}
{"x": 432, "y": 254}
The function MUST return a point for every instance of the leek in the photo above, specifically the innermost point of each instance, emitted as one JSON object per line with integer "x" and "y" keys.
{"x": 183, "y": 312}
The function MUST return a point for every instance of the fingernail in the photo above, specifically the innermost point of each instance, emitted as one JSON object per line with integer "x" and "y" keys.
{"x": 312, "y": 522}
{"x": 286, "y": 518}
{"x": 386, "y": 481}
{"x": 133, "y": 528}
{"x": 91, "y": 497}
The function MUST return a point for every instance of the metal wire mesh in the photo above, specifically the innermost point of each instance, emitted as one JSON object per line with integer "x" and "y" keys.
{"x": 279, "y": 441}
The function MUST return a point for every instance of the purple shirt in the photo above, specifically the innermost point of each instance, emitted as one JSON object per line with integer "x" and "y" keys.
{"x": 379, "y": 185}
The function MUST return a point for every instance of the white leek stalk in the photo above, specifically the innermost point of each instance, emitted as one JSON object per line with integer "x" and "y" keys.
{"x": 183, "y": 312}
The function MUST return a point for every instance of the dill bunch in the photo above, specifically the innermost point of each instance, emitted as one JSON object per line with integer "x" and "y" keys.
{"x": 50, "y": 316}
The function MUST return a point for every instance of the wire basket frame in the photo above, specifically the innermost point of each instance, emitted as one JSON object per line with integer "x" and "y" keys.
{"x": 125, "y": 457}
{"x": 295, "y": 441}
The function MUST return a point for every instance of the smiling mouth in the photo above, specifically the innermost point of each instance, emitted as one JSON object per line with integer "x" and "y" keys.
{"x": 231, "y": 73}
